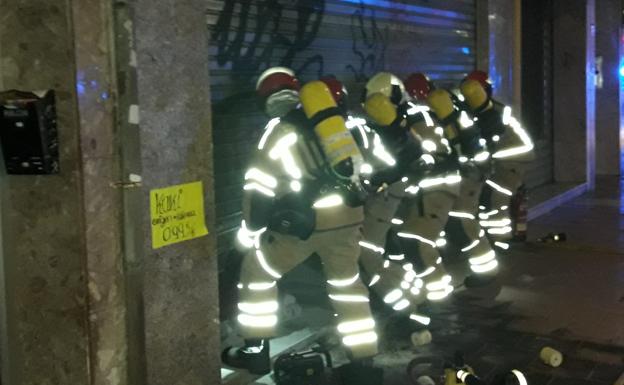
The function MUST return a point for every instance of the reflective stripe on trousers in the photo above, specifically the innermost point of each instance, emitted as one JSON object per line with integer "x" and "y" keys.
{"x": 476, "y": 243}
{"x": 425, "y": 219}
{"x": 505, "y": 180}
{"x": 386, "y": 277}
{"x": 339, "y": 252}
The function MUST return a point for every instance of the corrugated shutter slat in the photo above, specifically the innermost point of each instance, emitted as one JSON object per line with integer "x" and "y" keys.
{"x": 351, "y": 39}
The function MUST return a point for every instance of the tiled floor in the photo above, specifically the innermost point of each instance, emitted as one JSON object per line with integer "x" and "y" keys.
{"x": 578, "y": 285}
{"x": 567, "y": 295}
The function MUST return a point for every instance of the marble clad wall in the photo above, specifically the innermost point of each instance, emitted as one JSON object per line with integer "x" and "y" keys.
{"x": 76, "y": 246}
{"x": 43, "y": 223}
{"x": 62, "y": 252}
{"x": 181, "y": 290}
{"x": 101, "y": 189}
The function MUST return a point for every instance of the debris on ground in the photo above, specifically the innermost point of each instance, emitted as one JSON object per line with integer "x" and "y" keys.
{"x": 551, "y": 357}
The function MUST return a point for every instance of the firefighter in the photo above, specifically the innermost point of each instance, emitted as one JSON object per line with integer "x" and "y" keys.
{"x": 408, "y": 136}
{"x": 301, "y": 198}
{"x": 472, "y": 159}
{"x": 383, "y": 266}
{"x": 511, "y": 149}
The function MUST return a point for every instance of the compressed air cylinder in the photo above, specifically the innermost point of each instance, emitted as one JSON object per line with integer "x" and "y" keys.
{"x": 421, "y": 338}
{"x": 474, "y": 93}
{"x": 551, "y": 357}
{"x": 441, "y": 104}
{"x": 379, "y": 107}
{"x": 450, "y": 377}
{"x": 335, "y": 139}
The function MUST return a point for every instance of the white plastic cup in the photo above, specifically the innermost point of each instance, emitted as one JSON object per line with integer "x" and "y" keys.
{"x": 421, "y": 338}
{"x": 425, "y": 380}
{"x": 551, "y": 357}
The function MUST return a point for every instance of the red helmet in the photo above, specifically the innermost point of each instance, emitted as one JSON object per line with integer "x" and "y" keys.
{"x": 418, "y": 86}
{"x": 480, "y": 76}
{"x": 337, "y": 89}
{"x": 483, "y": 78}
{"x": 276, "y": 79}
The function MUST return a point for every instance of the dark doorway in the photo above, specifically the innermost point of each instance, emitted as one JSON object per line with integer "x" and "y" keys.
{"x": 537, "y": 85}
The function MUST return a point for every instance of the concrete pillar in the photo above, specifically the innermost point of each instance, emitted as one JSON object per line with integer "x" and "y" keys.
{"x": 76, "y": 246}
{"x": 608, "y": 24}
{"x": 181, "y": 290}
{"x": 574, "y": 93}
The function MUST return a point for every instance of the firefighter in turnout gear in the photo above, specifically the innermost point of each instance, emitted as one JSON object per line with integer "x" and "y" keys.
{"x": 472, "y": 159}
{"x": 407, "y": 133}
{"x": 511, "y": 148}
{"x": 301, "y": 197}
{"x": 384, "y": 277}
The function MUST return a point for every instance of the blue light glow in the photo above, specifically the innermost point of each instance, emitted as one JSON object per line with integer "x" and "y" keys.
{"x": 493, "y": 63}
{"x": 410, "y": 8}
{"x": 81, "y": 84}
{"x": 80, "y": 87}
{"x": 465, "y": 50}
{"x": 622, "y": 71}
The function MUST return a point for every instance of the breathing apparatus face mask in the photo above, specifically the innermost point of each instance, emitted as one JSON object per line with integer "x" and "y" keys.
{"x": 281, "y": 103}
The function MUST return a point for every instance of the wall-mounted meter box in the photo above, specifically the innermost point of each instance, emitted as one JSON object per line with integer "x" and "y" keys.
{"x": 28, "y": 133}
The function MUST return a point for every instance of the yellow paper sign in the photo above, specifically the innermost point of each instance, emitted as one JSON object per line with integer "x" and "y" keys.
{"x": 177, "y": 214}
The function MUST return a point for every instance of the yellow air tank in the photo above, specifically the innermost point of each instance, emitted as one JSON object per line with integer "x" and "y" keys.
{"x": 380, "y": 109}
{"x": 441, "y": 104}
{"x": 335, "y": 139}
{"x": 450, "y": 377}
{"x": 475, "y": 94}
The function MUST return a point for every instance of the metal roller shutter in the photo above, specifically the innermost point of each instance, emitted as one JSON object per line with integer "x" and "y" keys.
{"x": 351, "y": 39}
{"x": 547, "y": 139}
{"x": 537, "y": 87}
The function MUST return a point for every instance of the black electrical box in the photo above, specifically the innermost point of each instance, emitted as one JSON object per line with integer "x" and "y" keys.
{"x": 28, "y": 133}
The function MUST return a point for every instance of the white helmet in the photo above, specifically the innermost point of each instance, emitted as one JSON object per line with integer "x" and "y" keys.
{"x": 387, "y": 84}
{"x": 278, "y": 89}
